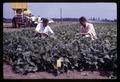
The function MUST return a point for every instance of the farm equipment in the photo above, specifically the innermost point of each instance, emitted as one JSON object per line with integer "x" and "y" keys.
{"x": 22, "y": 15}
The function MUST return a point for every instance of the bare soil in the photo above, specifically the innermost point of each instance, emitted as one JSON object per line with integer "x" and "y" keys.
{"x": 9, "y": 74}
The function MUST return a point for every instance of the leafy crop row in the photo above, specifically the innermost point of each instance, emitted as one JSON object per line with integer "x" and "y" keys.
{"x": 29, "y": 53}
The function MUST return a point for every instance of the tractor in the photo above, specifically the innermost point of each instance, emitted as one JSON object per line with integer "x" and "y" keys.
{"x": 22, "y": 15}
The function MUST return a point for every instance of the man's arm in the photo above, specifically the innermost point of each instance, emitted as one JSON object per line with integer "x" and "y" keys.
{"x": 81, "y": 31}
{"x": 50, "y": 30}
{"x": 91, "y": 31}
{"x": 52, "y": 35}
{"x": 38, "y": 27}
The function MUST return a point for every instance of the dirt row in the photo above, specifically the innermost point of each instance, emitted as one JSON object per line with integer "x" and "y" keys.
{"x": 9, "y": 74}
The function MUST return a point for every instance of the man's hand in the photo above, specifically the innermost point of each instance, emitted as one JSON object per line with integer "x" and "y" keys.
{"x": 44, "y": 34}
{"x": 84, "y": 33}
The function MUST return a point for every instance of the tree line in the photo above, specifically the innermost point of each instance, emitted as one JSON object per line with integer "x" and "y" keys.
{"x": 6, "y": 20}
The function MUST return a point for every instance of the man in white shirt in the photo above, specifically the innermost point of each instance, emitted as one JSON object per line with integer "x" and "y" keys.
{"x": 43, "y": 29}
{"x": 87, "y": 29}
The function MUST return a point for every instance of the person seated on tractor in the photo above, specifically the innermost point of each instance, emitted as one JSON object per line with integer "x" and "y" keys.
{"x": 43, "y": 29}
{"x": 17, "y": 20}
{"x": 87, "y": 29}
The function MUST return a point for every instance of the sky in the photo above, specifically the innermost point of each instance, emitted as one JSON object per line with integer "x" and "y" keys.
{"x": 69, "y": 10}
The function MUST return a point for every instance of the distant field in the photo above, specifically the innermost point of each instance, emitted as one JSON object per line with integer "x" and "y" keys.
{"x": 7, "y": 27}
{"x": 7, "y": 24}
{"x": 56, "y": 23}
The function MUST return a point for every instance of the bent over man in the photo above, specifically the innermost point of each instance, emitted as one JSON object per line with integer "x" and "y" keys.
{"x": 87, "y": 29}
{"x": 43, "y": 29}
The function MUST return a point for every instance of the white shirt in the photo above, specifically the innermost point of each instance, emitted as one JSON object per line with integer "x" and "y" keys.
{"x": 39, "y": 19}
{"x": 47, "y": 30}
{"x": 33, "y": 18}
{"x": 89, "y": 29}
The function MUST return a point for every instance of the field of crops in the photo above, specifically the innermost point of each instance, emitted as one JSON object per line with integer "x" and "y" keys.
{"x": 29, "y": 53}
